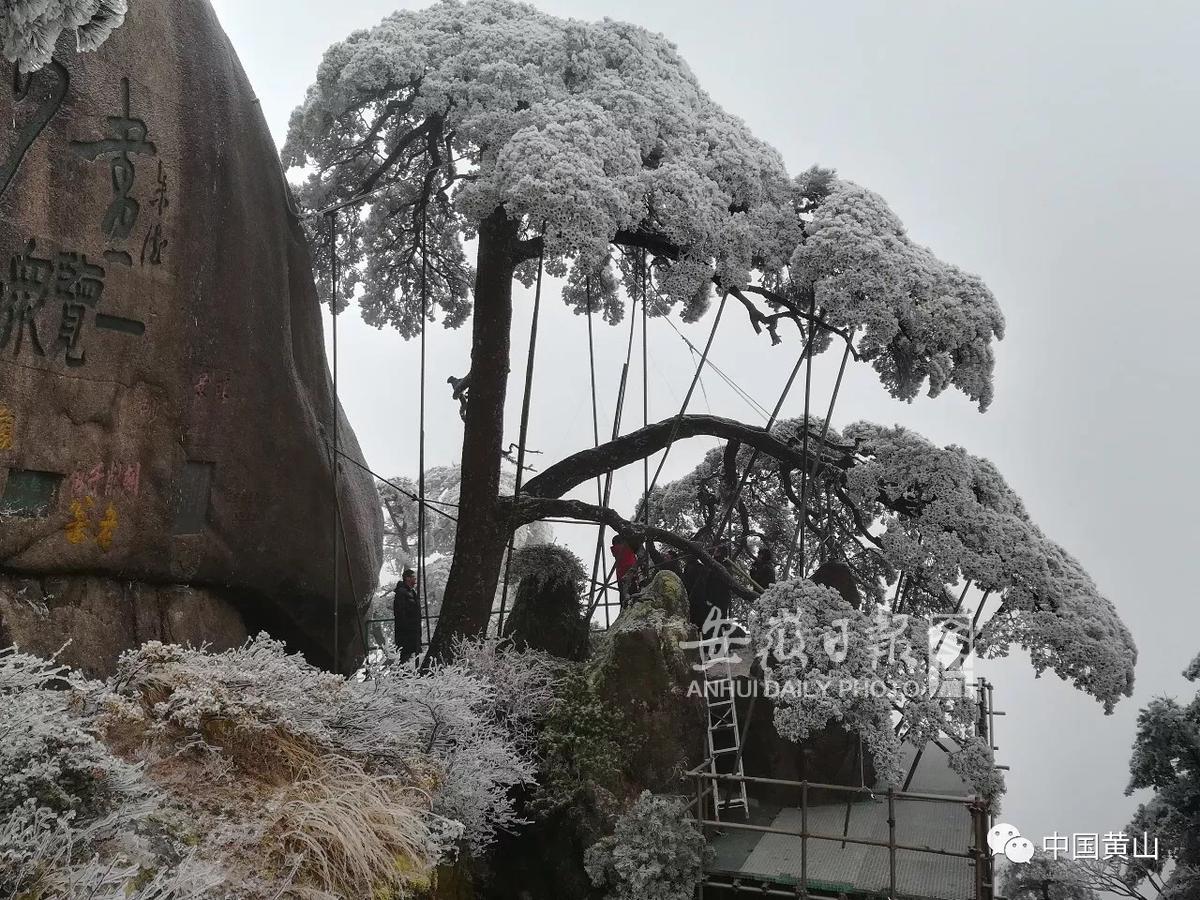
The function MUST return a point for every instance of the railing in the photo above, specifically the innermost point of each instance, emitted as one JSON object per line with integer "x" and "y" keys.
{"x": 976, "y": 854}
{"x": 611, "y": 608}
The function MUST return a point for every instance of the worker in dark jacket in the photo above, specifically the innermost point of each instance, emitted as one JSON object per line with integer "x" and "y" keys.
{"x": 720, "y": 594}
{"x": 763, "y": 570}
{"x": 406, "y": 610}
{"x": 706, "y": 589}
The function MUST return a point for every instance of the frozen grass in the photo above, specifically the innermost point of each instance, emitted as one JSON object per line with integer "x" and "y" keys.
{"x": 250, "y": 773}
{"x": 352, "y": 833}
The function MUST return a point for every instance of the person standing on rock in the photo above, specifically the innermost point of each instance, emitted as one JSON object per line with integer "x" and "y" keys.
{"x": 625, "y": 563}
{"x": 406, "y": 611}
{"x": 719, "y": 593}
{"x": 763, "y": 570}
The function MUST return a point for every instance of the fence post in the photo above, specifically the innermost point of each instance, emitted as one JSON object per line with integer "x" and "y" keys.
{"x": 700, "y": 825}
{"x": 804, "y": 838}
{"x": 978, "y": 819}
{"x": 892, "y": 841}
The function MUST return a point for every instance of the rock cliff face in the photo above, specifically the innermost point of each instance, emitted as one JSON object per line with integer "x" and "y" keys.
{"x": 165, "y": 401}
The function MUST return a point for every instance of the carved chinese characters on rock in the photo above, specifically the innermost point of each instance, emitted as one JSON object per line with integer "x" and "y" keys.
{"x": 212, "y": 386}
{"x": 153, "y": 244}
{"x": 92, "y": 522}
{"x": 93, "y": 515}
{"x": 50, "y": 298}
{"x": 68, "y": 282}
{"x": 113, "y": 479}
{"x": 36, "y": 99}
{"x": 127, "y": 139}
{"x": 8, "y": 427}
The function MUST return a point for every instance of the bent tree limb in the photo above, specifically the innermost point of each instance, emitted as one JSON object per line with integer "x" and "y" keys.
{"x": 581, "y": 467}
{"x": 523, "y": 510}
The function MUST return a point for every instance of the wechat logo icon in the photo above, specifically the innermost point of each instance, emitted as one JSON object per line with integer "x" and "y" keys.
{"x": 1006, "y": 839}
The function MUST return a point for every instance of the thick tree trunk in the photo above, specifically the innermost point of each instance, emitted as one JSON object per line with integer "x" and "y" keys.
{"x": 482, "y": 535}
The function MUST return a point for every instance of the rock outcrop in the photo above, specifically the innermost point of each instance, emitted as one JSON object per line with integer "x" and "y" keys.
{"x": 640, "y": 671}
{"x": 165, "y": 401}
{"x": 546, "y": 612}
{"x": 641, "y": 668}
{"x": 88, "y": 621}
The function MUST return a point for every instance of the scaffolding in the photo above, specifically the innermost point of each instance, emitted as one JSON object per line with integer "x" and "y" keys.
{"x": 798, "y": 877}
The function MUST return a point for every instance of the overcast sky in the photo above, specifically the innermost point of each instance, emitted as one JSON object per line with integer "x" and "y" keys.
{"x": 1051, "y": 148}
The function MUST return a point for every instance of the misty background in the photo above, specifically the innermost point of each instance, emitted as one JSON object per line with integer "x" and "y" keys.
{"x": 1051, "y": 148}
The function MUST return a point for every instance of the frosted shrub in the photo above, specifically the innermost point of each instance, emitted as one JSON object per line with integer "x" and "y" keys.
{"x": 583, "y": 746}
{"x": 524, "y": 681}
{"x": 260, "y": 771}
{"x": 63, "y": 794}
{"x": 449, "y": 716}
{"x": 437, "y": 728}
{"x": 257, "y": 687}
{"x": 653, "y": 854}
{"x": 97, "y": 879}
{"x": 47, "y": 756}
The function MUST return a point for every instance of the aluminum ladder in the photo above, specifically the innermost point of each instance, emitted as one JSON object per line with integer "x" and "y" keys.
{"x": 724, "y": 735}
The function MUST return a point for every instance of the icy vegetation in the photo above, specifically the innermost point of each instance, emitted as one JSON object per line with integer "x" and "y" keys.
{"x": 251, "y": 774}
{"x": 30, "y": 29}
{"x": 655, "y": 853}
{"x": 950, "y": 516}
{"x": 921, "y": 318}
{"x": 804, "y": 633}
{"x": 931, "y": 522}
{"x": 595, "y": 140}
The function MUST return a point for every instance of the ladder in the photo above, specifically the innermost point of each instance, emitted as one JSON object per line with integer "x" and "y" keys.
{"x": 724, "y": 736}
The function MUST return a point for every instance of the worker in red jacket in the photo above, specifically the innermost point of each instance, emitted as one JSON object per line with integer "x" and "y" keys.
{"x": 625, "y": 557}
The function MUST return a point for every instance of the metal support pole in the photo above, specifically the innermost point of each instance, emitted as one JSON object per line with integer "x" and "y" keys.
{"x": 608, "y": 478}
{"x": 645, "y": 397}
{"x": 335, "y": 461}
{"x": 421, "y": 569}
{"x": 700, "y": 817}
{"x": 524, "y": 433}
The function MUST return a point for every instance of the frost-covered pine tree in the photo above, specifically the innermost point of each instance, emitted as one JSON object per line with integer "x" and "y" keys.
{"x": 591, "y": 148}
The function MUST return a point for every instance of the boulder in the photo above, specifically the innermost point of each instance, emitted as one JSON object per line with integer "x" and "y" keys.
{"x": 667, "y": 593}
{"x": 546, "y": 612}
{"x": 165, "y": 402}
{"x": 641, "y": 667}
{"x": 88, "y": 620}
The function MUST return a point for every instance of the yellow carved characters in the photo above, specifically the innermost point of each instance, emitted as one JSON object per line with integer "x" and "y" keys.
{"x": 8, "y": 424}
{"x": 107, "y": 528}
{"x": 79, "y": 528}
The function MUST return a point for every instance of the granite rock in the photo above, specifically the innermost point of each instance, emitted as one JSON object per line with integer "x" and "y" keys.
{"x": 164, "y": 393}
